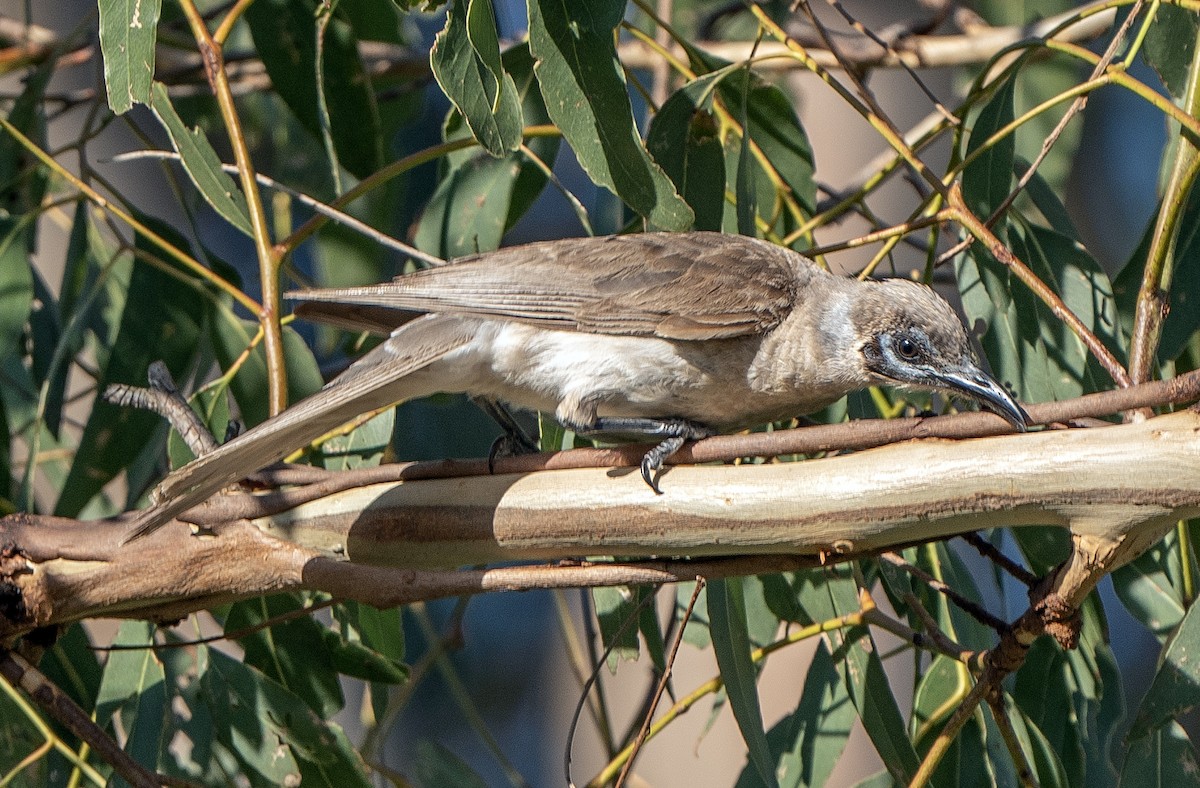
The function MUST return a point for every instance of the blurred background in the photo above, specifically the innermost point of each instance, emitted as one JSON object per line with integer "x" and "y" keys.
{"x": 508, "y": 660}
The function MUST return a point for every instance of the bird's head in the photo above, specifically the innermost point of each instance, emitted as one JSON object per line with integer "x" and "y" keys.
{"x": 910, "y": 336}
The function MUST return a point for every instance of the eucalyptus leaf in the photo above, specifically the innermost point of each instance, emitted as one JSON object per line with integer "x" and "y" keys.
{"x": 201, "y": 163}
{"x": 466, "y": 63}
{"x": 586, "y": 97}
{"x": 731, "y": 645}
{"x": 128, "y": 30}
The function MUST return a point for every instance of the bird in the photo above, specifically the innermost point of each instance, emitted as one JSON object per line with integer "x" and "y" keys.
{"x": 676, "y": 336}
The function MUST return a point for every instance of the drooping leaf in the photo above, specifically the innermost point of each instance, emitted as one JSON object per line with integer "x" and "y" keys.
{"x": 133, "y": 688}
{"x": 731, "y": 645}
{"x": 160, "y": 320}
{"x": 438, "y": 767}
{"x": 285, "y": 36}
{"x": 835, "y": 594}
{"x": 292, "y": 653}
{"x": 587, "y": 99}
{"x": 479, "y": 197}
{"x": 806, "y": 744}
{"x": 466, "y": 63}
{"x": 272, "y": 732}
{"x": 1169, "y": 45}
{"x": 1175, "y": 687}
{"x": 1162, "y": 758}
{"x": 1183, "y": 319}
{"x": 616, "y": 616}
{"x": 201, "y": 163}
{"x": 683, "y": 139}
{"x": 1146, "y": 587}
{"x": 128, "y": 30}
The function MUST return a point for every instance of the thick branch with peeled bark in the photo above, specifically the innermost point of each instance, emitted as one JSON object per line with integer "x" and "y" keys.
{"x": 1116, "y": 488}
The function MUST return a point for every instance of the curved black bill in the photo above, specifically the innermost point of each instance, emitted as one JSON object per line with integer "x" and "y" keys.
{"x": 979, "y": 386}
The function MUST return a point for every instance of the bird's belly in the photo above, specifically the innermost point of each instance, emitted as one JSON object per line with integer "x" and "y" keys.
{"x": 579, "y": 376}
{"x": 540, "y": 369}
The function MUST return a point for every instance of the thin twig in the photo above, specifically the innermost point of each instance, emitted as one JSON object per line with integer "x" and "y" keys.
{"x": 1003, "y": 255}
{"x": 326, "y": 210}
{"x": 1076, "y": 107}
{"x": 61, "y": 707}
{"x": 969, "y": 606}
{"x": 891, "y": 50}
{"x": 662, "y": 685}
{"x": 989, "y": 551}
{"x": 601, "y": 660}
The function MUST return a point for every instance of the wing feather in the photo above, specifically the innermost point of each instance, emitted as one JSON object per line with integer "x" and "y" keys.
{"x": 690, "y": 286}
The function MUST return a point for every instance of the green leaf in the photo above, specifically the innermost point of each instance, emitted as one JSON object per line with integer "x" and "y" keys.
{"x": 731, "y": 645}
{"x": 1162, "y": 757}
{"x": 806, "y": 744}
{"x": 616, "y": 610}
{"x": 1147, "y": 591}
{"x": 586, "y": 96}
{"x": 1030, "y": 349}
{"x": 379, "y": 630}
{"x": 351, "y": 658}
{"x": 133, "y": 688}
{"x": 284, "y": 33}
{"x": 1169, "y": 44}
{"x": 1184, "y": 316}
{"x": 683, "y": 139}
{"x": 939, "y": 684}
{"x": 480, "y": 197}
{"x": 988, "y": 180}
{"x": 770, "y": 121}
{"x": 72, "y": 665}
{"x": 466, "y": 63}
{"x": 857, "y": 657}
{"x": 253, "y": 716}
{"x": 468, "y": 211}
{"x": 1047, "y": 767}
{"x": 1176, "y": 684}
{"x": 202, "y": 163}
{"x": 293, "y": 653}
{"x": 128, "y": 29}
{"x": 160, "y": 320}
{"x": 438, "y": 767}
{"x": 362, "y": 448}
{"x": 1075, "y": 699}
{"x": 747, "y": 199}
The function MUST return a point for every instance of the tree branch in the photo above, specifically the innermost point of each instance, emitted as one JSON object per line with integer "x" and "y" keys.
{"x": 374, "y": 543}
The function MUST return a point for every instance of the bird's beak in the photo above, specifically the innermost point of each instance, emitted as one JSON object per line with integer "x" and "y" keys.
{"x": 978, "y": 385}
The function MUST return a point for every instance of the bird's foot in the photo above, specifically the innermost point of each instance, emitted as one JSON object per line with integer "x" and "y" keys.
{"x": 509, "y": 445}
{"x": 675, "y": 433}
{"x": 515, "y": 439}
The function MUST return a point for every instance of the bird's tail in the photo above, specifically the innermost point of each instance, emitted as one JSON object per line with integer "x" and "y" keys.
{"x": 374, "y": 381}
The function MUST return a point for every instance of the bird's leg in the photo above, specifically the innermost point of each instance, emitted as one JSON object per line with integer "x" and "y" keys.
{"x": 674, "y": 432}
{"x": 515, "y": 439}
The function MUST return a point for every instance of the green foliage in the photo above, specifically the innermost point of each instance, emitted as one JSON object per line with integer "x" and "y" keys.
{"x": 484, "y": 120}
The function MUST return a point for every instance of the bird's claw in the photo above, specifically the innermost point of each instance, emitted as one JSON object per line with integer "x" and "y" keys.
{"x": 652, "y": 462}
{"x": 510, "y": 444}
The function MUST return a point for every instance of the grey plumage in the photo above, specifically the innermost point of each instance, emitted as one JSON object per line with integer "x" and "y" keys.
{"x": 674, "y": 335}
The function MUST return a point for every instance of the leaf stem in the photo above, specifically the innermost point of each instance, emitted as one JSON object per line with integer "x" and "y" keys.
{"x": 1153, "y": 299}
{"x": 268, "y": 255}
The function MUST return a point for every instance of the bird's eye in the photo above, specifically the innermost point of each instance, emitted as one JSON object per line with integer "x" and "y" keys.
{"x": 907, "y": 348}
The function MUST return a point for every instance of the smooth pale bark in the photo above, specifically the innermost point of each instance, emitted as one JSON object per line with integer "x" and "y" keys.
{"x": 1117, "y": 489}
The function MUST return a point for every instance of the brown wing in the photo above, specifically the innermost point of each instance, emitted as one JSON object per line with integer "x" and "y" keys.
{"x": 679, "y": 286}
